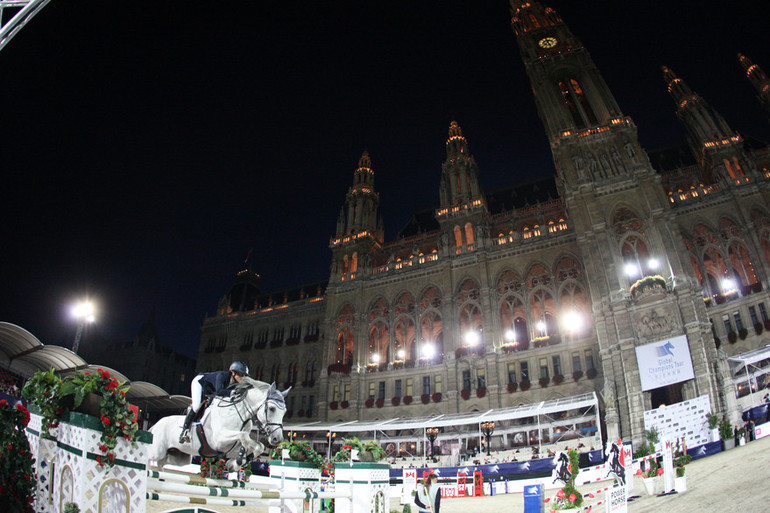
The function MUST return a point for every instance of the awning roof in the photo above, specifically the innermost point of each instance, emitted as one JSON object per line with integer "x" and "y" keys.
{"x": 456, "y": 419}
{"x": 748, "y": 358}
{"x": 24, "y": 354}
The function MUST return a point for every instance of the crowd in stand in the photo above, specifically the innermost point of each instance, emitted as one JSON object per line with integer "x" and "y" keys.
{"x": 10, "y": 383}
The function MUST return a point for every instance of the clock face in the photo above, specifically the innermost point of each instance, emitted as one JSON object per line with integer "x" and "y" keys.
{"x": 547, "y": 42}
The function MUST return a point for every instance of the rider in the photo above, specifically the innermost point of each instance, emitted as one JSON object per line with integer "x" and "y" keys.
{"x": 211, "y": 383}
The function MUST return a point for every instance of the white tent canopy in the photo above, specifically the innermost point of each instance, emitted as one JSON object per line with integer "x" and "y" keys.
{"x": 464, "y": 426}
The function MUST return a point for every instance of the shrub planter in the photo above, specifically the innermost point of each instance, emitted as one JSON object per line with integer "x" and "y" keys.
{"x": 395, "y": 401}
{"x": 544, "y": 381}
{"x": 743, "y": 333}
{"x": 481, "y": 392}
{"x": 758, "y": 328}
{"x": 732, "y": 337}
{"x": 379, "y": 402}
{"x": 407, "y": 399}
{"x": 344, "y": 404}
{"x": 591, "y": 373}
{"x": 369, "y": 403}
{"x": 333, "y": 405}
{"x": 558, "y": 379}
{"x": 577, "y": 375}
{"x": 524, "y": 385}
{"x": 767, "y": 324}
{"x": 436, "y": 397}
{"x": 465, "y": 394}
{"x": 512, "y": 387}
{"x": 425, "y": 398}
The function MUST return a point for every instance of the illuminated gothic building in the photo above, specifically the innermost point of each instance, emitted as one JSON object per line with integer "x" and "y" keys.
{"x": 538, "y": 291}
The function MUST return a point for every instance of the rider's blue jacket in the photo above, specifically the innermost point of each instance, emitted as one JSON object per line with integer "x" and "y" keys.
{"x": 216, "y": 383}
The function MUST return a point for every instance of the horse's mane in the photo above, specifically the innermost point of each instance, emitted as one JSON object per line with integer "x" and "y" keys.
{"x": 273, "y": 394}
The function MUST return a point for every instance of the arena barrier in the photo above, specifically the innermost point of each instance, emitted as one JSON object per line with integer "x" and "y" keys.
{"x": 68, "y": 471}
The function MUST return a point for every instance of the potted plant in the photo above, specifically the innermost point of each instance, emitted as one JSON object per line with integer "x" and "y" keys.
{"x": 481, "y": 392}
{"x": 577, "y": 375}
{"x": 680, "y": 481}
{"x": 558, "y": 379}
{"x": 299, "y": 451}
{"x": 407, "y": 399}
{"x": 425, "y": 398}
{"x": 370, "y": 451}
{"x": 465, "y": 393}
{"x": 524, "y": 385}
{"x": 436, "y": 398}
{"x": 712, "y": 419}
{"x": 544, "y": 381}
{"x": 651, "y": 476}
{"x": 395, "y": 401}
{"x": 726, "y": 434}
{"x": 512, "y": 386}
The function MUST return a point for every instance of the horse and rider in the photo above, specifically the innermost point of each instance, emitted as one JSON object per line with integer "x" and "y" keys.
{"x": 240, "y": 410}
{"x": 219, "y": 383}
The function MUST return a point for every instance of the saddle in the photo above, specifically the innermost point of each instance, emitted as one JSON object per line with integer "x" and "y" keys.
{"x": 205, "y": 451}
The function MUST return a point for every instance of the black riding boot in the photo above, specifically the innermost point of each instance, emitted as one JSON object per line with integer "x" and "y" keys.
{"x": 185, "y": 436}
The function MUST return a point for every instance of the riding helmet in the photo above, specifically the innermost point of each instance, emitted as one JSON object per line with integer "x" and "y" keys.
{"x": 240, "y": 368}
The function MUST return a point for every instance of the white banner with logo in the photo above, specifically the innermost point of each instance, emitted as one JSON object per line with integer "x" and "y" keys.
{"x": 664, "y": 362}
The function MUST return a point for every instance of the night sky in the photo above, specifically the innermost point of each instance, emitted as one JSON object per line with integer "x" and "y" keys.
{"x": 146, "y": 146}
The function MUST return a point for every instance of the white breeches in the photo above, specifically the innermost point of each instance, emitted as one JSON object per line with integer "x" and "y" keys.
{"x": 196, "y": 391}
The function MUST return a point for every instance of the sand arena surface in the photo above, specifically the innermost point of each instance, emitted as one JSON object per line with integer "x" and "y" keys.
{"x": 736, "y": 480}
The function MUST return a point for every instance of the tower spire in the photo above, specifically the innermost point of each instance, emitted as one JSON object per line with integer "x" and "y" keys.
{"x": 758, "y": 79}
{"x": 716, "y": 146}
{"x": 591, "y": 139}
{"x": 460, "y": 173}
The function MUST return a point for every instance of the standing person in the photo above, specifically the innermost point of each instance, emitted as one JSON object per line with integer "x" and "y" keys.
{"x": 428, "y": 496}
{"x": 211, "y": 383}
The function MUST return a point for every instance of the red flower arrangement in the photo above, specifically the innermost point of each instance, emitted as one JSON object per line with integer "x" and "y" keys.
{"x": 54, "y": 396}
{"x": 344, "y": 404}
{"x": 512, "y": 386}
{"x": 333, "y": 405}
{"x": 407, "y": 399}
{"x": 524, "y": 385}
{"x": 379, "y": 402}
{"x": 481, "y": 392}
{"x": 395, "y": 401}
{"x": 425, "y": 398}
{"x": 17, "y": 476}
{"x": 369, "y": 402}
{"x": 436, "y": 397}
{"x": 465, "y": 393}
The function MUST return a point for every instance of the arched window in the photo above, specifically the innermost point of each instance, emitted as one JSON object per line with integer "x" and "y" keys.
{"x": 354, "y": 263}
{"x": 345, "y": 264}
{"x": 577, "y": 104}
{"x": 404, "y": 330}
{"x": 742, "y": 268}
{"x": 345, "y": 341}
{"x": 469, "y": 307}
{"x": 513, "y": 315}
{"x": 469, "y": 235}
{"x": 458, "y": 239}
{"x": 431, "y": 342}
{"x": 574, "y": 315}
{"x": 762, "y": 224}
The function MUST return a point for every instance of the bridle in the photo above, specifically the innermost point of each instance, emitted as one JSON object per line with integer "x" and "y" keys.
{"x": 251, "y": 413}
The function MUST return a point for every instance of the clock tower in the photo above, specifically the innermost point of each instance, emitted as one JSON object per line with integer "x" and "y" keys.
{"x": 626, "y": 231}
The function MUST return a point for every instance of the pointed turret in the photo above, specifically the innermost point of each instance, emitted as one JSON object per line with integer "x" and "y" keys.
{"x": 460, "y": 174}
{"x": 717, "y": 147}
{"x": 463, "y": 210}
{"x": 758, "y": 79}
{"x": 359, "y": 234}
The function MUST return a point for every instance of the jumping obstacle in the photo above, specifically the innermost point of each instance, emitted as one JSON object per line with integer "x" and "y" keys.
{"x": 68, "y": 471}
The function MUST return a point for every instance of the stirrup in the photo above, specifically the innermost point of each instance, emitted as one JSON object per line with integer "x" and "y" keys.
{"x": 184, "y": 438}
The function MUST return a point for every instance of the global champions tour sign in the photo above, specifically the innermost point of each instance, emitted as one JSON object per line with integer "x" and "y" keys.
{"x": 664, "y": 362}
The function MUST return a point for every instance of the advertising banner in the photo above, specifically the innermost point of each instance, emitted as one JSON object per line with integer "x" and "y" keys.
{"x": 664, "y": 362}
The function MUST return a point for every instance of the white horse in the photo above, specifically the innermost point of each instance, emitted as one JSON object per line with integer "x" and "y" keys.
{"x": 227, "y": 424}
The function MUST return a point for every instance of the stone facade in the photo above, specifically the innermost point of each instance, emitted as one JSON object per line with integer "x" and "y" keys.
{"x": 541, "y": 290}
